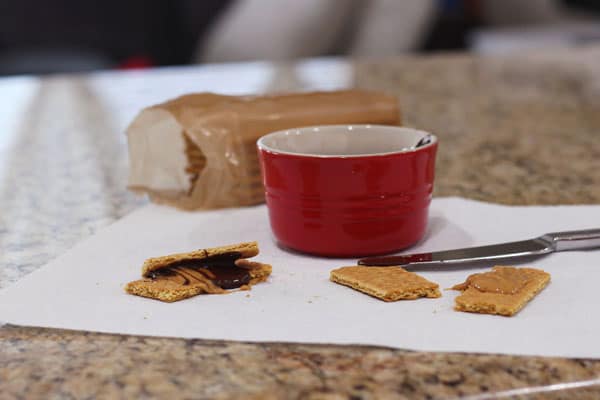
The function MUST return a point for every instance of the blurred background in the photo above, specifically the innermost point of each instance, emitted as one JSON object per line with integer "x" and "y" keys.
{"x": 60, "y": 36}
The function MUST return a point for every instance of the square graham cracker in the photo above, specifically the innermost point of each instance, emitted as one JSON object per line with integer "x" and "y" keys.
{"x": 385, "y": 283}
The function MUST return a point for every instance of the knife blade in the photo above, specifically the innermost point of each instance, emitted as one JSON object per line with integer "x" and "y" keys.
{"x": 545, "y": 244}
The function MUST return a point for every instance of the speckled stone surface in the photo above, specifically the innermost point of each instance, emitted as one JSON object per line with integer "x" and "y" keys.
{"x": 523, "y": 129}
{"x": 515, "y": 130}
{"x": 63, "y": 177}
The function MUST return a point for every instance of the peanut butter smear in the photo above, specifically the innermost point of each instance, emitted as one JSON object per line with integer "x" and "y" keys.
{"x": 502, "y": 280}
{"x": 184, "y": 275}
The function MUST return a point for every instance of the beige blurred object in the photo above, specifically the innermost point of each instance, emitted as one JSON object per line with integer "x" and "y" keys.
{"x": 289, "y": 29}
{"x": 276, "y": 29}
{"x": 525, "y": 26}
{"x": 199, "y": 151}
{"x": 389, "y": 27}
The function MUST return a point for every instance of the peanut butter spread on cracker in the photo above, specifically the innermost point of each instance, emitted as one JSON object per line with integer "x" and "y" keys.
{"x": 501, "y": 291}
{"x": 505, "y": 280}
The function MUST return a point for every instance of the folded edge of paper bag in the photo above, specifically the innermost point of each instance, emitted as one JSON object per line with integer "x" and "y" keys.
{"x": 198, "y": 151}
{"x": 155, "y": 167}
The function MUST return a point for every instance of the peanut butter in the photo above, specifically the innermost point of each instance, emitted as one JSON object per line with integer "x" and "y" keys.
{"x": 503, "y": 280}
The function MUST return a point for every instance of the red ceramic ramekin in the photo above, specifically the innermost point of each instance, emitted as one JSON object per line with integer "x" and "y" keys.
{"x": 348, "y": 190}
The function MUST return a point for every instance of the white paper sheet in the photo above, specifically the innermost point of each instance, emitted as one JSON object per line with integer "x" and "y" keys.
{"x": 83, "y": 289}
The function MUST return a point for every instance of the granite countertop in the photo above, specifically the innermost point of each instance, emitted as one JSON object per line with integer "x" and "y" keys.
{"x": 519, "y": 129}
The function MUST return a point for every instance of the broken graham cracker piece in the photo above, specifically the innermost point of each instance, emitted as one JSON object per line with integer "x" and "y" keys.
{"x": 501, "y": 291}
{"x": 385, "y": 283}
{"x": 211, "y": 271}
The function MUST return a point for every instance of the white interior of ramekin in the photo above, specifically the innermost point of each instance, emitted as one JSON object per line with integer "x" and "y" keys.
{"x": 344, "y": 140}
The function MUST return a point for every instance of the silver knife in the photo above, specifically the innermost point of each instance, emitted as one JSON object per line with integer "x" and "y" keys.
{"x": 545, "y": 244}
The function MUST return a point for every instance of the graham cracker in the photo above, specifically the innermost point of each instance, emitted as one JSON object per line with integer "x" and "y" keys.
{"x": 170, "y": 290}
{"x": 474, "y": 300}
{"x": 247, "y": 250}
{"x": 385, "y": 283}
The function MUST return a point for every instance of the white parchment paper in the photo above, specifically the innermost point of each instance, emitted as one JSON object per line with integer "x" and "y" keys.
{"x": 83, "y": 289}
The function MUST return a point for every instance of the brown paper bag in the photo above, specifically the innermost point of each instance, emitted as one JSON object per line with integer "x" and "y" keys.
{"x": 199, "y": 150}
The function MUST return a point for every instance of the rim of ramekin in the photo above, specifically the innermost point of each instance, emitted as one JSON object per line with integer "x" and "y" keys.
{"x": 262, "y": 146}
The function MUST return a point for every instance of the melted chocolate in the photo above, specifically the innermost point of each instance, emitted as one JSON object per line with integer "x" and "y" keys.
{"x": 220, "y": 269}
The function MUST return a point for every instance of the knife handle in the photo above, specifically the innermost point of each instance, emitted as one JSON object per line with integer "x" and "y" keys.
{"x": 573, "y": 240}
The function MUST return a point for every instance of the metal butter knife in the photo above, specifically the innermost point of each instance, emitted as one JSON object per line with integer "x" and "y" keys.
{"x": 548, "y": 243}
